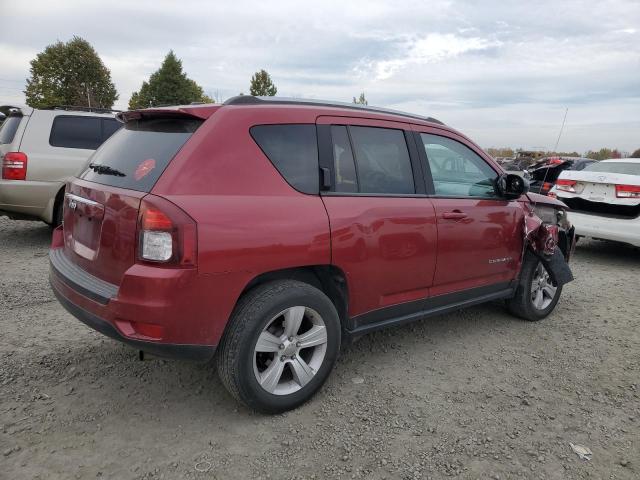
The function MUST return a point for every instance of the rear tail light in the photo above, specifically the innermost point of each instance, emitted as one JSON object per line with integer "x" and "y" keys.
{"x": 14, "y": 166}
{"x": 546, "y": 186}
{"x": 628, "y": 191}
{"x": 566, "y": 185}
{"x": 166, "y": 234}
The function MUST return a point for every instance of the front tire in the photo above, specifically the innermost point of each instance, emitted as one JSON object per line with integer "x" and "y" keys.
{"x": 280, "y": 346}
{"x": 537, "y": 294}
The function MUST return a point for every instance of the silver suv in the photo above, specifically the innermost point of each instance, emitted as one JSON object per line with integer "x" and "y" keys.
{"x": 40, "y": 149}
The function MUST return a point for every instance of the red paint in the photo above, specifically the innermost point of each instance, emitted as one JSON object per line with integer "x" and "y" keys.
{"x": 246, "y": 221}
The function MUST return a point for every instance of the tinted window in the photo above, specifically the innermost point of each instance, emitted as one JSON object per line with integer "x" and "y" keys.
{"x": 136, "y": 155}
{"x": 293, "y": 150}
{"x": 457, "y": 171}
{"x": 76, "y": 132}
{"x": 109, "y": 127}
{"x": 9, "y": 128}
{"x": 346, "y": 179}
{"x": 382, "y": 160}
{"x": 628, "y": 168}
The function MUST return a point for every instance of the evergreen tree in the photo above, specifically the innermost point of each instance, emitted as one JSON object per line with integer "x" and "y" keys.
{"x": 361, "y": 100}
{"x": 70, "y": 73}
{"x": 169, "y": 85}
{"x": 262, "y": 85}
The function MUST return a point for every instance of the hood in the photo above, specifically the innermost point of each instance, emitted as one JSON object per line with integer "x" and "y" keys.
{"x": 544, "y": 200}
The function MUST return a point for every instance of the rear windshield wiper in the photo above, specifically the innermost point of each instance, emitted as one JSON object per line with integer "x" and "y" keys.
{"x": 106, "y": 170}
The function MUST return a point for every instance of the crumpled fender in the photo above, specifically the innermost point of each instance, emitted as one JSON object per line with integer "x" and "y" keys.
{"x": 542, "y": 240}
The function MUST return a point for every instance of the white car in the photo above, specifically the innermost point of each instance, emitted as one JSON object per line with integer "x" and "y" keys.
{"x": 604, "y": 199}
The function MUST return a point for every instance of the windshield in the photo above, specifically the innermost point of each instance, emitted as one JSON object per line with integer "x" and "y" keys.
{"x": 627, "y": 168}
{"x": 9, "y": 128}
{"x": 137, "y": 154}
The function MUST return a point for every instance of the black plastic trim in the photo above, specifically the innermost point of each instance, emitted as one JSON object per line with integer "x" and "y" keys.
{"x": 419, "y": 309}
{"x": 167, "y": 350}
{"x": 80, "y": 280}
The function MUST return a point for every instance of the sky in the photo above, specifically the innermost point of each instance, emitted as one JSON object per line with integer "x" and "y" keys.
{"x": 502, "y": 72}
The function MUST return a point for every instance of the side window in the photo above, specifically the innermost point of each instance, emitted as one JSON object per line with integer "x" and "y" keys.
{"x": 293, "y": 150}
{"x": 9, "y": 128}
{"x": 76, "y": 132}
{"x": 109, "y": 127}
{"x": 382, "y": 160}
{"x": 345, "y": 168}
{"x": 457, "y": 171}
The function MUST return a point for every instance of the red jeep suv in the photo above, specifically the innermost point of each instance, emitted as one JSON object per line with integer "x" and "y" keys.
{"x": 265, "y": 232}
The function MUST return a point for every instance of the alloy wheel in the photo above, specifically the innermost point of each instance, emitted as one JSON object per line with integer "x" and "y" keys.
{"x": 542, "y": 289}
{"x": 290, "y": 350}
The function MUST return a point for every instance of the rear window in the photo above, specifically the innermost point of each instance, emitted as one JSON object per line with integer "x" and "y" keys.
{"x": 293, "y": 150}
{"x": 9, "y": 128}
{"x": 627, "y": 168}
{"x": 135, "y": 157}
{"x": 84, "y": 132}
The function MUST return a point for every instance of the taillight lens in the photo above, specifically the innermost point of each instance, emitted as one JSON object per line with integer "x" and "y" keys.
{"x": 166, "y": 234}
{"x": 14, "y": 166}
{"x": 546, "y": 186}
{"x": 628, "y": 191}
{"x": 566, "y": 185}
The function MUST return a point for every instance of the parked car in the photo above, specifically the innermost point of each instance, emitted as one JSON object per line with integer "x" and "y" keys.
{"x": 268, "y": 231}
{"x": 604, "y": 198}
{"x": 40, "y": 149}
{"x": 544, "y": 174}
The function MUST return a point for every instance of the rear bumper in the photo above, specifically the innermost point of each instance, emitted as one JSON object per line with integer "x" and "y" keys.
{"x": 28, "y": 200}
{"x": 166, "y": 350}
{"x": 95, "y": 303}
{"x": 606, "y": 228}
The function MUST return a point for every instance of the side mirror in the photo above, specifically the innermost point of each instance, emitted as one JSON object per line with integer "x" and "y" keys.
{"x": 511, "y": 186}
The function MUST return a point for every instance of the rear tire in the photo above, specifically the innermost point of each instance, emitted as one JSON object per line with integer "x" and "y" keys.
{"x": 536, "y": 295}
{"x": 281, "y": 343}
{"x": 56, "y": 215}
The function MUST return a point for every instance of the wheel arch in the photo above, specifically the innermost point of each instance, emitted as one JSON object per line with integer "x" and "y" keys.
{"x": 329, "y": 279}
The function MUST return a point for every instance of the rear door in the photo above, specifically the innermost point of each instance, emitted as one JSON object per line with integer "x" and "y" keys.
{"x": 479, "y": 235}
{"x": 383, "y": 232}
{"x": 101, "y": 207}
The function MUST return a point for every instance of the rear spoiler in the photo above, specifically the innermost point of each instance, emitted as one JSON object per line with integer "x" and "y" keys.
{"x": 195, "y": 111}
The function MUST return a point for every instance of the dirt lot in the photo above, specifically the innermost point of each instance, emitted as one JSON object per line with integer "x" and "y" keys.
{"x": 475, "y": 394}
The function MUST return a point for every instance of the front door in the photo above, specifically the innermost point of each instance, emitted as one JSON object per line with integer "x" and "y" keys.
{"x": 479, "y": 234}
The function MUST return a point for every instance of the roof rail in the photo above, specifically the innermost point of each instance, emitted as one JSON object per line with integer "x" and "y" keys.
{"x": 80, "y": 109}
{"x": 251, "y": 100}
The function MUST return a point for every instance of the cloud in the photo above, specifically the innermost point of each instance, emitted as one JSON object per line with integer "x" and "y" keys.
{"x": 433, "y": 48}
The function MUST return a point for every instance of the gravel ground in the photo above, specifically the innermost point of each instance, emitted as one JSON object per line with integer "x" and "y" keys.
{"x": 474, "y": 394}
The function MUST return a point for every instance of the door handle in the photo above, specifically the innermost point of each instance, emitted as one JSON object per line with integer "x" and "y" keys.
{"x": 455, "y": 215}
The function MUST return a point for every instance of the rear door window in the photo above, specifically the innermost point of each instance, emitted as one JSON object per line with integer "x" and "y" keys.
{"x": 382, "y": 160}
{"x": 109, "y": 127}
{"x": 293, "y": 150}
{"x": 345, "y": 168}
{"x": 9, "y": 128}
{"x": 137, "y": 154}
{"x": 76, "y": 132}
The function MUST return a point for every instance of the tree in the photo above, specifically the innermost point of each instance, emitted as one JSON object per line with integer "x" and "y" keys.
{"x": 604, "y": 153}
{"x": 361, "y": 100}
{"x": 261, "y": 85}
{"x": 636, "y": 154}
{"x": 169, "y": 85}
{"x": 70, "y": 73}
{"x": 505, "y": 152}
